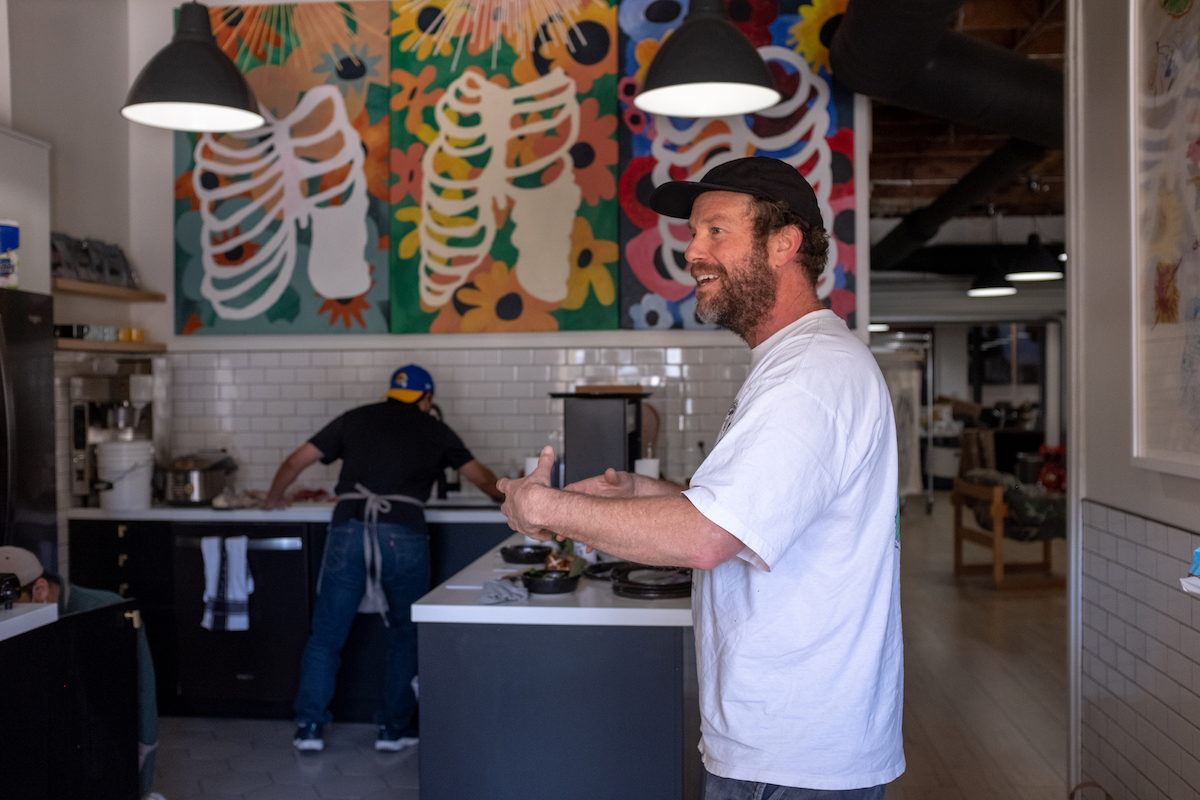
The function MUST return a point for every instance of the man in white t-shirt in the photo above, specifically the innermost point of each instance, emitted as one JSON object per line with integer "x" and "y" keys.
{"x": 790, "y": 523}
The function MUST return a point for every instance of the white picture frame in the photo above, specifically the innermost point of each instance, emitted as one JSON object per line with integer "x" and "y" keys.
{"x": 1164, "y": 92}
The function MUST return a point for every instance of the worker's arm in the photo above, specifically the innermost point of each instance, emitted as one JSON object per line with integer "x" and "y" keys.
{"x": 482, "y": 477}
{"x": 661, "y": 527}
{"x": 305, "y": 455}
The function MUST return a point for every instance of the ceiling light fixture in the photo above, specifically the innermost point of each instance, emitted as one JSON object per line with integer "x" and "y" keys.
{"x": 707, "y": 68}
{"x": 878, "y": 327}
{"x": 1035, "y": 263}
{"x": 990, "y": 284}
{"x": 191, "y": 85}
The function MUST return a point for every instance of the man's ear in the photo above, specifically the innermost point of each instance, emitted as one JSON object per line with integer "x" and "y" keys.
{"x": 784, "y": 244}
{"x": 41, "y": 591}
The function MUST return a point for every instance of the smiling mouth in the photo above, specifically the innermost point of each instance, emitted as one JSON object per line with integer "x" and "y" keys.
{"x": 704, "y": 280}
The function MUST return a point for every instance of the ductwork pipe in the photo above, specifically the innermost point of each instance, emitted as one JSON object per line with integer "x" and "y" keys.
{"x": 902, "y": 52}
{"x": 995, "y": 171}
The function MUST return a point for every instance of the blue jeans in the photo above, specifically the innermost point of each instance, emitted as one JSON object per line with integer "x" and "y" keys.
{"x": 405, "y": 578}
{"x": 717, "y": 788}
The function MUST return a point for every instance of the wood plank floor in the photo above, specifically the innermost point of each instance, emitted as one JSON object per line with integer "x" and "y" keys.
{"x": 985, "y": 706}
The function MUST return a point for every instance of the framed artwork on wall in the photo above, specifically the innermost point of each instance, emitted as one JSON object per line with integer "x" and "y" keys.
{"x": 813, "y": 128}
{"x": 504, "y": 156}
{"x": 1165, "y": 169}
{"x": 284, "y": 229}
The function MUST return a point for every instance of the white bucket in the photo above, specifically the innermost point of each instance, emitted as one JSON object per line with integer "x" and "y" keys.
{"x": 129, "y": 467}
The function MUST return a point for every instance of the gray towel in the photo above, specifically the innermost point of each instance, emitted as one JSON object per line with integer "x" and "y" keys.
{"x": 502, "y": 590}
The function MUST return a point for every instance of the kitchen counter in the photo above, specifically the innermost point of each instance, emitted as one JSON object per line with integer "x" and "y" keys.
{"x": 24, "y": 617}
{"x": 467, "y": 509}
{"x": 592, "y": 602}
{"x": 607, "y": 680}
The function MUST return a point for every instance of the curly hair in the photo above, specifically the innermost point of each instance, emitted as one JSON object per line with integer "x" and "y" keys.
{"x": 773, "y": 215}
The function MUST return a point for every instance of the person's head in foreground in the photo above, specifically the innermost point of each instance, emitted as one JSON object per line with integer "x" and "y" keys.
{"x": 758, "y": 242}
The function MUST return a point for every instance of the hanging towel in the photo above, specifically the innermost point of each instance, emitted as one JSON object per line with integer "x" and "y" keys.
{"x": 227, "y": 584}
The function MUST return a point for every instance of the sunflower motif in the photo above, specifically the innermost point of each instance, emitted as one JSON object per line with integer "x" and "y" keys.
{"x": 184, "y": 190}
{"x": 375, "y": 140}
{"x": 589, "y": 259}
{"x": 234, "y": 256}
{"x": 346, "y": 309}
{"x": 754, "y": 18}
{"x": 812, "y": 35}
{"x": 651, "y": 314}
{"x": 525, "y": 149}
{"x": 407, "y": 169}
{"x": 592, "y": 52}
{"x": 242, "y": 31}
{"x": 496, "y": 303}
{"x": 595, "y": 153}
{"x": 411, "y": 93}
{"x": 421, "y": 27}
{"x": 410, "y": 243}
{"x": 348, "y": 70}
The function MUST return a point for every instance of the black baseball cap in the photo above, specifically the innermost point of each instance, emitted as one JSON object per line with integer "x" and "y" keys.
{"x": 758, "y": 175}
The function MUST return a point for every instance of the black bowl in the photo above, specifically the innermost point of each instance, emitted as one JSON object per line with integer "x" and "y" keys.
{"x": 549, "y": 581}
{"x": 525, "y": 553}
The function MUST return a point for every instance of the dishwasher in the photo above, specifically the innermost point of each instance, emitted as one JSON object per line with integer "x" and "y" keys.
{"x": 261, "y": 663}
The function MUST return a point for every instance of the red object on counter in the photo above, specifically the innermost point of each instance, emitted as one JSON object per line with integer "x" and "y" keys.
{"x": 1053, "y": 477}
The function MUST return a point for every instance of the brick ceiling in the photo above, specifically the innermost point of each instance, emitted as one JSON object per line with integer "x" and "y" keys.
{"x": 916, "y": 157}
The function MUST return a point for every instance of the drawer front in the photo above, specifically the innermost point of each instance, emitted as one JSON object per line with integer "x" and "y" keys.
{"x": 130, "y": 558}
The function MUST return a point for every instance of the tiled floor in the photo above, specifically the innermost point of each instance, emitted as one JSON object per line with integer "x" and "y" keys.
{"x": 985, "y": 709}
{"x": 224, "y": 759}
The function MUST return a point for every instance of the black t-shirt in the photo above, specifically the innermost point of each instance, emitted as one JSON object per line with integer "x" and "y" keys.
{"x": 390, "y": 448}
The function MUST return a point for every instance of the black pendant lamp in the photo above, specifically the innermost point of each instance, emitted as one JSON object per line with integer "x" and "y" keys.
{"x": 707, "y": 68}
{"x": 1036, "y": 263}
{"x": 191, "y": 85}
{"x": 990, "y": 284}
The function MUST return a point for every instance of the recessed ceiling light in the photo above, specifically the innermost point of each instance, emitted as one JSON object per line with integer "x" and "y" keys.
{"x": 879, "y": 327}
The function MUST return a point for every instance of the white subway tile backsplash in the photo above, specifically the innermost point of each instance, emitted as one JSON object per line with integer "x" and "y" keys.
{"x": 264, "y": 359}
{"x": 264, "y": 391}
{"x": 1141, "y": 660}
{"x": 298, "y": 358}
{"x": 327, "y": 358}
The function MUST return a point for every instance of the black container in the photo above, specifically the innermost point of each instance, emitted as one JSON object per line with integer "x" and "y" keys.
{"x": 525, "y": 553}
{"x": 71, "y": 331}
{"x": 549, "y": 581}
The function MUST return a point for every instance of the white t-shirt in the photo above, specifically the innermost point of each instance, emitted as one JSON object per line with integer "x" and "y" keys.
{"x": 798, "y": 638}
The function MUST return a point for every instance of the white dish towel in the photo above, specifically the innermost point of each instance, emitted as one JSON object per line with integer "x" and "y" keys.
{"x": 227, "y": 583}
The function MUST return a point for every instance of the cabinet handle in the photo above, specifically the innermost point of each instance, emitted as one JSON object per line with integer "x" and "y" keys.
{"x": 122, "y": 589}
{"x": 121, "y": 530}
{"x": 121, "y": 559}
{"x": 136, "y": 616}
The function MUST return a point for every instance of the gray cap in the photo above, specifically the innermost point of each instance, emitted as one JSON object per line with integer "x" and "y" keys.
{"x": 22, "y": 563}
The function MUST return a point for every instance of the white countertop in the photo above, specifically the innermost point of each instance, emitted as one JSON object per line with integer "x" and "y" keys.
{"x": 24, "y": 617}
{"x": 592, "y": 602}
{"x": 467, "y": 509}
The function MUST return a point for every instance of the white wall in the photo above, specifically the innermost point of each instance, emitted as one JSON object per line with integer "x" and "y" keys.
{"x": 1135, "y": 640}
{"x": 68, "y": 63}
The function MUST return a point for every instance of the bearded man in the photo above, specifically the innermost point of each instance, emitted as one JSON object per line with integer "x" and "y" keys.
{"x": 791, "y": 522}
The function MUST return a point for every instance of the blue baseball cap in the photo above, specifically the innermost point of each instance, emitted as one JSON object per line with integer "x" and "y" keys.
{"x": 410, "y": 383}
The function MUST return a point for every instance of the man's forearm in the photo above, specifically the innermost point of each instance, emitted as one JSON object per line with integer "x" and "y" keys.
{"x": 664, "y": 529}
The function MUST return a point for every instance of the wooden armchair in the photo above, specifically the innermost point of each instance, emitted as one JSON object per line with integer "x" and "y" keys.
{"x": 994, "y": 540}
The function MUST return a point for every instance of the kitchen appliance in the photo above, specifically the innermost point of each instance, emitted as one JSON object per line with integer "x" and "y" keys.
{"x": 601, "y": 429}
{"x": 640, "y": 582}
{"x": 27, "y": 470}
{"x": 129, "y": 406}
{"x": 195, "y": 479}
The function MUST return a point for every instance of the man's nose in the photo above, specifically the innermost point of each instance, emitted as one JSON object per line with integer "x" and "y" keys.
{"x": 693, "y": 253}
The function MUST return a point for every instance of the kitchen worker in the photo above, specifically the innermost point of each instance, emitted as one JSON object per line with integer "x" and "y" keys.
{"x": 377, "y": 550}
{"x": 790, "y": 523}
{"x": 41, "y": 586}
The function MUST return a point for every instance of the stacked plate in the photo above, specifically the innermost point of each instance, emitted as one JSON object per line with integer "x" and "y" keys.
{"x": 639, "y": 582}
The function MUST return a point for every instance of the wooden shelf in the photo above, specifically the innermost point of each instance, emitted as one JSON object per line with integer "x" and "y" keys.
{"x": 104, "y": 291}
{"x": 91, "y": 345}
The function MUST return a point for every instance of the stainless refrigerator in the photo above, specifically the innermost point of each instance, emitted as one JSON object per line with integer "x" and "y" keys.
{"x": 27, "y": 469}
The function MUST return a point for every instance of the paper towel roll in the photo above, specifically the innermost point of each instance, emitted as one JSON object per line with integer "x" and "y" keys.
{"x": 647, "y": 467}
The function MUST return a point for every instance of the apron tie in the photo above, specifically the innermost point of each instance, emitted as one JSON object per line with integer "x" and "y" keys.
{"x": 374, "y": 505}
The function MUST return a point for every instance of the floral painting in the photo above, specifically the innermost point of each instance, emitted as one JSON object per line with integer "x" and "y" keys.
{"x": 1166, "y": 258}
{"x": 285, "y": 229}
{"x": 812, "y": 128}
{"x": 503, "y": 171}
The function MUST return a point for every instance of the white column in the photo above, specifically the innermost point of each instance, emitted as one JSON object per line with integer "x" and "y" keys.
{"x": 5, "y": 69}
